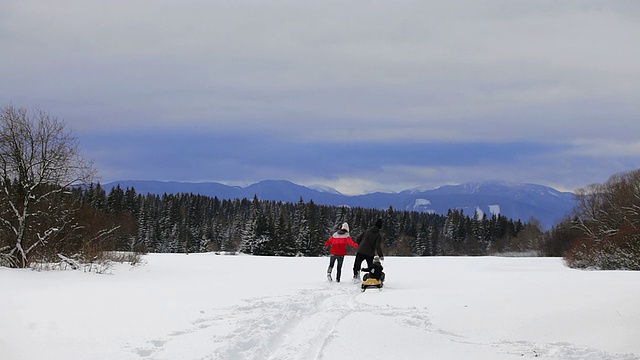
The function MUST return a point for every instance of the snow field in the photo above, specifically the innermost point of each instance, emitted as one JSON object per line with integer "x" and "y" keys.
{"x": 205, "y": 306}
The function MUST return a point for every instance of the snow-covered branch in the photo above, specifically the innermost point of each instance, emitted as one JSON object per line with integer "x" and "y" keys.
{"x": 39, "y": 159}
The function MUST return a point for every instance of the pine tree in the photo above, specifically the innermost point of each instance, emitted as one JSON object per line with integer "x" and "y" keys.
{"x": 115, "y": 200}
{"x": 286, "y": 245}
{"x": 391, "y": 228}
{"x": 301, "y": 228}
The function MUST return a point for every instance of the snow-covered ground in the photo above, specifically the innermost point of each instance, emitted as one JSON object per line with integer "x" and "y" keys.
{"x": 206, "y": 306}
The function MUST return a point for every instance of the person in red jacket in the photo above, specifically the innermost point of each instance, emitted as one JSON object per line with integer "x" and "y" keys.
{"x": 338, "y": 243}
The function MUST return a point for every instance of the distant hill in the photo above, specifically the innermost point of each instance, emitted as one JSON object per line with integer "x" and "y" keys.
{"x": 516, "y": 201}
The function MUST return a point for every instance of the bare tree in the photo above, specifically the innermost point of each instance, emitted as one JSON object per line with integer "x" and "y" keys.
{"x": 604, "y": 209}
{"x": 608, "y": 216}
{"x": 39, "y": 161}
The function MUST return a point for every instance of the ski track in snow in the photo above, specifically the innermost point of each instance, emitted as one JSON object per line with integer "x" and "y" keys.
{"x": 300, "y": 326}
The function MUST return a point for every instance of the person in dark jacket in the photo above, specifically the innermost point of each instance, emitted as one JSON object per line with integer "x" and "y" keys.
{"x": 369, "y": 245}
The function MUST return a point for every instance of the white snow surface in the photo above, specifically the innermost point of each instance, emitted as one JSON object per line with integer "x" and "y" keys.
{"x": 207, "y": 306}
{"x": 422, "y": 205}
{"x": 479, "y": 213}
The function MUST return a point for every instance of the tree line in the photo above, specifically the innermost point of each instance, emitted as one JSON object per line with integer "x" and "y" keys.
{"x": 188, "y": 223}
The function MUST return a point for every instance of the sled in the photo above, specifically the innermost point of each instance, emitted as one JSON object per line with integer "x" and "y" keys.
{"x": 371, "y": 283}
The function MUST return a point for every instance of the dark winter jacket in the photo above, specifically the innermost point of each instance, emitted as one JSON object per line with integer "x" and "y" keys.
{"x": 375, "y": 271}
{"x": 370, "y": 242}
{"x": 339, "y": 241}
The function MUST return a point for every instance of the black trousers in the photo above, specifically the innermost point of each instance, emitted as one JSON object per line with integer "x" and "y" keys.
{"x": 357, "y": 265}
{"x": 332, "y": 261}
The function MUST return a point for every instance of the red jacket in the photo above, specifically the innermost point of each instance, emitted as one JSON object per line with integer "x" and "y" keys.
{"x": 339, "y": 241}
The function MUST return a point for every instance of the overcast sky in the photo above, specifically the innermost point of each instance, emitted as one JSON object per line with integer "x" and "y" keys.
{"x": 355, "y": 95}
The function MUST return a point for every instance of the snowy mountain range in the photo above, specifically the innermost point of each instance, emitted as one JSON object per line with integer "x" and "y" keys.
{"x": 516, "y": 201}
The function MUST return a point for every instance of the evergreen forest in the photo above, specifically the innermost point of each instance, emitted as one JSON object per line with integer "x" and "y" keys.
{"x": 188, "y": 223}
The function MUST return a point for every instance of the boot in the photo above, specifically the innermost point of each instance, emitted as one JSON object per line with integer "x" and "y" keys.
{"x": 329, "y": 274}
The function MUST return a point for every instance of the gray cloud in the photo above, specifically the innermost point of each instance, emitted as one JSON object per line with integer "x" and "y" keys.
{"x": 561, "y": 74}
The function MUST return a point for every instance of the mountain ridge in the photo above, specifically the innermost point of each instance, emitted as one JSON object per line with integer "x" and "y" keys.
{"x": 518, "y": 201}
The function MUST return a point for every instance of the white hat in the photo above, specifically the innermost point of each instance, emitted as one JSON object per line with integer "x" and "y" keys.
{"x": 345, "y": 226}
{"x": 376, "y": 259}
